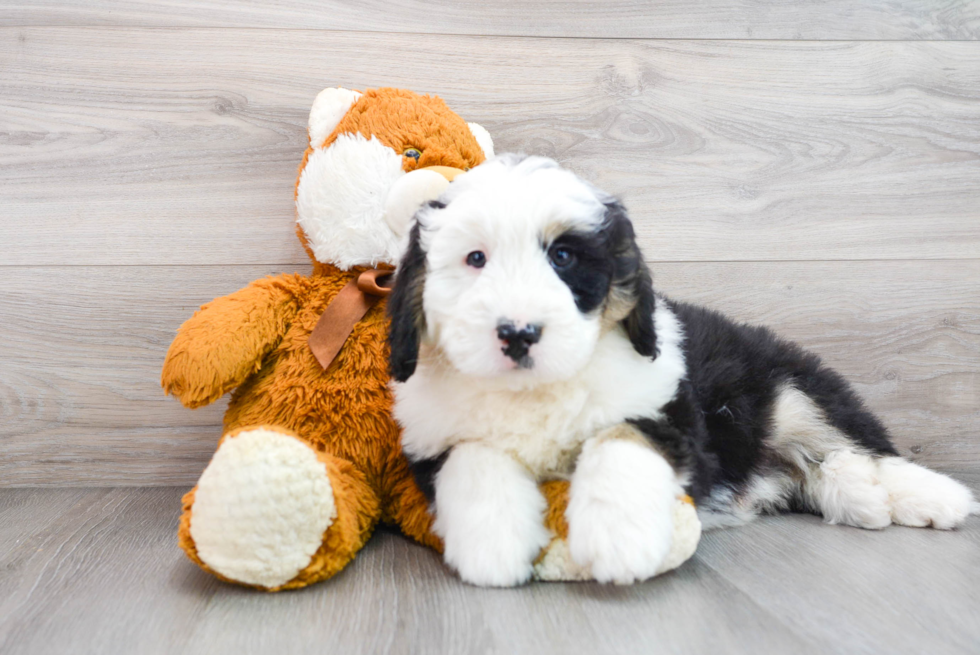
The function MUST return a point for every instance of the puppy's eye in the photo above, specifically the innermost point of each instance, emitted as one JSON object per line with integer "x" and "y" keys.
{"x": 414, "y": 153}
{"x": 561, "y": 257}
{"x": 476, "y": 259}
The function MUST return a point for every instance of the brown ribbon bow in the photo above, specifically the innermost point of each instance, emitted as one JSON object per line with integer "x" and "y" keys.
{"x": 344, "y": 311}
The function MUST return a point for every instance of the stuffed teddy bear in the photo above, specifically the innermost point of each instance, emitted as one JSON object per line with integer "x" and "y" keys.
{"x": 310, "y": 461}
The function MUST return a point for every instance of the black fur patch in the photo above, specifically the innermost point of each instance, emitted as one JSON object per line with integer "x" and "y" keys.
{"x": 609, "y": 261}
{"x": 425, "y": 471}
{"x": 591, "y": 275}
{"x": 681, "y": 436}
{"x": 735, "y": 372}
{"x": 633, "y": 279}
{"x": 405, "y": 309}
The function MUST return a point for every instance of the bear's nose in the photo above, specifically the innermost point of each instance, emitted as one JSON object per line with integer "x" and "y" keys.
{"x": 518, "y": 341}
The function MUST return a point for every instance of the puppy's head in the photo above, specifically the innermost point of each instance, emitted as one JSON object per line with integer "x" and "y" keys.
{"x": 516, "y": 271}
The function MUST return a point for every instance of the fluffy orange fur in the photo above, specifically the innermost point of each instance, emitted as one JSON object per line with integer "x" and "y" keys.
{"x": 254, "y": 343}
{"x": 401, "y": 120}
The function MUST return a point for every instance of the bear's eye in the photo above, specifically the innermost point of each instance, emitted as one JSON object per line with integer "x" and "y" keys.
{"x": 476, "y": 259}
{"x": 414, "y": 153}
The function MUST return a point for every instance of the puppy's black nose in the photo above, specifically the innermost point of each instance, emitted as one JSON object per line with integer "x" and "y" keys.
{"x": 519, "y": 341}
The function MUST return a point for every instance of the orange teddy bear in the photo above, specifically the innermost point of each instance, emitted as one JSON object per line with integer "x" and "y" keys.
{"x": 310, "y": 460}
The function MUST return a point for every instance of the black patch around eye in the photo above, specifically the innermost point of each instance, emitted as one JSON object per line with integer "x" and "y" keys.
{"x": 591, "y": 271}
{"x": 435, "y": 204}
{"x": 560, "y": 256}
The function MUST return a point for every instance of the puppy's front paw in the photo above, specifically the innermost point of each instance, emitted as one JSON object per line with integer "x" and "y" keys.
{"x": 490, "y": 515}
{"x": 621, "y": 545}
{"x": 497, "y": 558}
{"x": 620, "y": 519}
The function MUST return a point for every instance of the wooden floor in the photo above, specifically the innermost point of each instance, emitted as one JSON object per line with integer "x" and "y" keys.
{"x": 810, "y": 165}
{"x": 97, "y": 571}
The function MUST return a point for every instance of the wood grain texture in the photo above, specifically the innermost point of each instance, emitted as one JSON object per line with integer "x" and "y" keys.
{"x": 848, "y": 590}
{"x": 828, "y": 188}
{"x": 79, "y": 371}
{"x": 98, "y": 571}
{"x": 179, "y": 146}
{"x": 661, "y": 19}
{"x": 89, "y": 571}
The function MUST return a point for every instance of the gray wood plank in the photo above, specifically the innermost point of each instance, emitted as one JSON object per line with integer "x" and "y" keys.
{"x": 79, "y": 370}
{"x": 93, "y": 571}
{"x": 899, "y": 590}
{"x": 670, "y": 19}
{"x": 398, "y": 598}
{"x": 98, "y": 571}
{"x": 188, "y": 139}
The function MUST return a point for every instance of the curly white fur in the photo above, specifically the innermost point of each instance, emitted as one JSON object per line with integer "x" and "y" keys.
{"x": 490, "y": 516}
{"x": 620, "y": 510}
{"x": 261, "y": 508}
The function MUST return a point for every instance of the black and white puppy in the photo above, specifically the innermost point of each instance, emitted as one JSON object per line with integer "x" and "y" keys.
{"x": 527, "y": 343}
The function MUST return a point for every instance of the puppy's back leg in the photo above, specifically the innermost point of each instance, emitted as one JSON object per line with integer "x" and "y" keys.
{"x": 850, "y": 474}
{"x": 922, "y": 498}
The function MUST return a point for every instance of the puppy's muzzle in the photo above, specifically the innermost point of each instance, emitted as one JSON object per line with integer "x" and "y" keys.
{"x": 518, "y": 341}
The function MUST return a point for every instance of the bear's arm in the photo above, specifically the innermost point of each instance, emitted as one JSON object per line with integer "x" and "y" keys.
{"x": 226, "y": 341}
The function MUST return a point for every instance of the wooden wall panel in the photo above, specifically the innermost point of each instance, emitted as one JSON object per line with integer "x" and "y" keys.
{"x": 83, "y": 346}
{"x": 614, "y": 19}
{"x": 830, "y": 188}
{"x": 180, "y": 146}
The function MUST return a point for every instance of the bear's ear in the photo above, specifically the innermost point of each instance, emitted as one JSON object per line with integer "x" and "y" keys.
{"x": 483, "y": 138}
{"x": 329, "y": 107}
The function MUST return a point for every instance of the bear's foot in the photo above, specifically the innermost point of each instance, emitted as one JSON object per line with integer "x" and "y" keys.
{"x": 271, "y": 511}
{"x": 261, "y": 508}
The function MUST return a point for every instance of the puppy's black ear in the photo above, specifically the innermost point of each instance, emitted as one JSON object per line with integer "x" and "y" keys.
{"x": 405, "y": 309}
{"x": 639, "y": 324}
{"x": 632, "y": 282}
